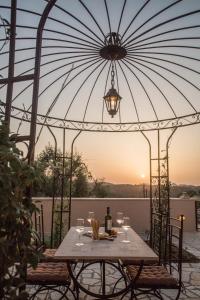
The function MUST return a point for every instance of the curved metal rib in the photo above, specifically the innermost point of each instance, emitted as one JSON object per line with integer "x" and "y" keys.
{"x": 80, "y": 87}
{"x": 49, "y": 62}
{"x": 161, "y": 24}
{"x": 49, "y": 72}
{"x": 84, "y": 116}
{"x": 178, "y": 75}
{"x": 131, "y": 93}
{"x": 163, "y": 33}
{"x": 167, "y": 53}
{"x": 151, "y": 18}
{"x": 163, "y": 41}
{"x": 57, "y": 40}
{"x": 167, "y": 61}
{"x": 78, "y": 20}
{"x": 95, "y": 59}
{"x": 108, "y": 16}
{"x": 144, "y": 89}
{"x": 167, "y": 81}
{"x": 106, "y": 83}
{"x": 116, "y": 73}
{"x": 120, "y": 20}
{"x": 157, "y": 87}
{"x": 65, "y": 24}
{"x": 91, "y": 15}
{"x": 137, "y": 14}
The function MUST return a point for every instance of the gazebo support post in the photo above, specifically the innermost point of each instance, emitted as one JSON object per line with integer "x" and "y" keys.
{"x": 159, "y": 185}
{"x": 11, "y": 65}
{"x": 36, "y": 80}
{"x": 71, "y": 177}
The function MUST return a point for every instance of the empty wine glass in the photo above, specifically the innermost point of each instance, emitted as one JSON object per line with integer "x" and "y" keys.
{"x": 119, "y": 220}
{"x": 126, "y": 226}
{"x": 89, "y": 218}
{"x": 79, "y": 229}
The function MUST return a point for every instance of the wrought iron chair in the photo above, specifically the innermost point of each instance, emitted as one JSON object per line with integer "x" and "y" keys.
{"x": 50, "y": 278}
{"x": 155, "y": 242}
{"x": 168, "y": 273}
{"x": 51, "y": 274}
{"x": 156, "y": 245}
{"x": 48, "y": 254}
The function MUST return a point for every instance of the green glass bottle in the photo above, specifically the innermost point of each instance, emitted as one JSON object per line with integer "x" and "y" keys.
{"x": 108, "y": 222}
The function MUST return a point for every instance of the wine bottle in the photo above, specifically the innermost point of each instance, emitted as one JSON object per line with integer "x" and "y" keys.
{"x": 108, "y": 222}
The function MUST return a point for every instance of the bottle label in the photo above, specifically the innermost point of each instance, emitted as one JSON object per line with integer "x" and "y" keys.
{"x": 109, "y": 224}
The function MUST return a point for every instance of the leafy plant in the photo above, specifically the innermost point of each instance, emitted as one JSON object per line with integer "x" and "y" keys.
{"x": 55, "y": 172}
{"x": 16, "y": 247}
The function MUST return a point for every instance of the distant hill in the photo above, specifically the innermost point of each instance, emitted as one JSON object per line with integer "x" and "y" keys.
{"x": 123, "y": 190}
{"x": 141, "y": 190}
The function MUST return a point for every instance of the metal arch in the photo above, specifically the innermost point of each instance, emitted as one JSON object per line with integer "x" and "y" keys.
{"x": 150, "y": 184}
{"x": 54, "y": 186}
{"x": 71, "y": 173}
{"x": 36, "y": 79}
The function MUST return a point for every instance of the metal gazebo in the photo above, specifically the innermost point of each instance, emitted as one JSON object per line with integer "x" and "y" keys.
{"x": 62, "y": 60}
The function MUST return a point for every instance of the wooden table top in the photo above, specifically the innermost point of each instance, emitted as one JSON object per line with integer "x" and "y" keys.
{"x": 137, "y": 249}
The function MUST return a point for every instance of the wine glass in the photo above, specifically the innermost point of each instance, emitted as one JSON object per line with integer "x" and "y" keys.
{"x": 79, "y": 229}
{"x": 126, "y": 226}
{"x": 89, "y": 218}
{"x": 119, "y": 220}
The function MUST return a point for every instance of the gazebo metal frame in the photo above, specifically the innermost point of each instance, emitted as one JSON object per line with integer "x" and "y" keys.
{"x": 146, "y": 53}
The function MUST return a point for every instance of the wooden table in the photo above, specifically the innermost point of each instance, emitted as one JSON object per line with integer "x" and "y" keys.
{"x": 103, "y": 251}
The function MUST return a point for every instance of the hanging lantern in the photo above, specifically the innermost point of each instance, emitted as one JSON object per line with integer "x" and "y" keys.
{"x": 112, "y": 98}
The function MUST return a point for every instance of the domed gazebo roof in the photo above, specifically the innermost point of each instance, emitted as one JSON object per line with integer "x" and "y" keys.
{"x": 149, "y": 51}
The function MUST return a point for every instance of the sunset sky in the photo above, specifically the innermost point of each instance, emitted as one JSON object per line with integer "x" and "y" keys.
{"x": 124, "y": 157}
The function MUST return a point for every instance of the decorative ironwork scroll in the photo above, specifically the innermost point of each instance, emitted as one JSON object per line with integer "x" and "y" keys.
{"x": 25, "y": 115}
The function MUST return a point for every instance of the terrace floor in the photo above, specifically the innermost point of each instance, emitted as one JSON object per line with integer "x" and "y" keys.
{"x": 191, "y": 275}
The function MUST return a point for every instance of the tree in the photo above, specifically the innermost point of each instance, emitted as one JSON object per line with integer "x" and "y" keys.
{"x": 99, "y": 189}
{"x": 80, "y": 185}
{"x": 54, "y": 175}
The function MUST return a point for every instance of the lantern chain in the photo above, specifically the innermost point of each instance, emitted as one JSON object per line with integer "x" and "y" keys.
{"x": 112, "y": 76}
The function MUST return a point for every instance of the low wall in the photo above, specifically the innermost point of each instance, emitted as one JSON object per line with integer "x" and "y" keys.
{"x": 136, "y": 209}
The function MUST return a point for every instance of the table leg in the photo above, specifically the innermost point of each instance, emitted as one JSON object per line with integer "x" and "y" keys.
{"x": 78, "y": 286}
{"x": 103, "y": 278}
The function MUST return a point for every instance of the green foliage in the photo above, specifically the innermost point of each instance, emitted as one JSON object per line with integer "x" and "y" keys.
{"x": 81, "y": 185}
{"x": 55, "y": 173}
{"x": 99, "y": 189}
{"x": 16, "y": 249}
